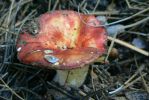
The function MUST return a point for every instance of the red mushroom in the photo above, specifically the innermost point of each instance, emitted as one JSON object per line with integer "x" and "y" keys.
{"x": 63, "y": 42}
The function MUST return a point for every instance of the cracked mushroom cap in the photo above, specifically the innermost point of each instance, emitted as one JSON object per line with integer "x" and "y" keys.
{"x": 62, "y": 41}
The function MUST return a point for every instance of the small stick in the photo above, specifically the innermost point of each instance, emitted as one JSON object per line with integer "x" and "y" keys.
{"x": 140, "y": 72}
{"x": 49, "y": 6}
{"x": 61, "y": 90}
{"x": 111, "y": 46}
{"x": 98, "y": 1}
{"x": 124, "y": 19}
{"x": 134, "y": 81}
{"x": 123, "y": 43}
{"x": 6, "y": 30}
{"x": 55, "y": 5}
{"x": 104, "y": 13}
{"x": 129, "y": 82}
{"x": 128, "y": 3}
{"x": 82, "y": 3}
{"x": 84, "y": 94}
{"x": 6, "y": 85}
{"x": 92, "y": 78}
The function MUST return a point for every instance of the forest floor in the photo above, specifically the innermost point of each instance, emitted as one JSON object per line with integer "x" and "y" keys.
{"x": 121, "y": 74}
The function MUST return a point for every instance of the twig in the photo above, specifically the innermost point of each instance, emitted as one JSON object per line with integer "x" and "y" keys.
{"x": 140, "y": 72}
{"x": 4, "y": 29}
{"x": 92, "y": 78}
{"x": 49, "y": 6}
{"x": 11, "y": 89}
{"x": 123, "y": 43}
{"x": 137, "y": 23}
{"x": 138, "y": 33}
{"x": 122, "y": 87}
{"x": 9, "y": 15}
{"x": 134, "y": 75}
{"x": 129, "y": 82}
{"x": 55, "y": 5}
{"x": 84, "y": 94}
{"x": 134, "y": 81}
{"x": 97, "y": 3}
{"x": 61, "y": 90}
{"x": 129, "y": 60}
{"x": 116, "y": 22}
{"x": 24, "y": 20}
{"x": 111, "y": 46}
{"x": 128, "y": 3}
{"x": 82, "y": 3}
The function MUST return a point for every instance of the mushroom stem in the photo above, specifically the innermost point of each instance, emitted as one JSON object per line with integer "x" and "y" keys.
{"x": 73, "y": 77}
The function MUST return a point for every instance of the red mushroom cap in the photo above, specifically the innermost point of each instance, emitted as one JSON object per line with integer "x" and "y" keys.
{"x": 63, "y": 41}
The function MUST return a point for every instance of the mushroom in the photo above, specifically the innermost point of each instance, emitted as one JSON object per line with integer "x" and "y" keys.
{"x": 64, "y": 43}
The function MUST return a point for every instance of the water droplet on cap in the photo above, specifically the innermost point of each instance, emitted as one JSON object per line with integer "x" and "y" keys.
{"x": 51, "y": 59}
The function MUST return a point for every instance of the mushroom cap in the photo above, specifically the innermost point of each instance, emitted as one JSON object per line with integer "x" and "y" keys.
{"x": 63, "y": 41}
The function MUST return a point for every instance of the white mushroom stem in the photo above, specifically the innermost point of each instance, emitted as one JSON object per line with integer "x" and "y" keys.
{"x": 73, "y": 77}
